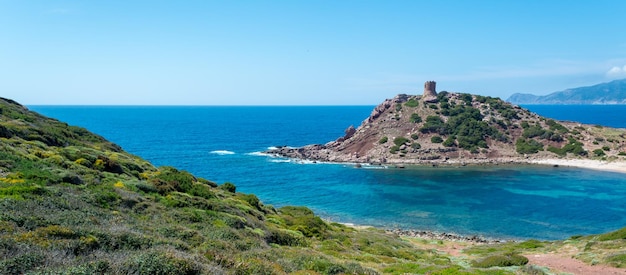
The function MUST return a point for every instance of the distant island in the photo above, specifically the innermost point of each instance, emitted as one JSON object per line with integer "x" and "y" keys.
{"x": 613, "y": 92}
{"x": 459, "y": 129}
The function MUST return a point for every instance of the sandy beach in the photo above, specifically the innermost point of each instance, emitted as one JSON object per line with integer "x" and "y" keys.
{"x": 613, "y": 166}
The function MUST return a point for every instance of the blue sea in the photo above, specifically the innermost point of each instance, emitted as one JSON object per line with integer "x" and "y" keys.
{"x": 223, "y": 144}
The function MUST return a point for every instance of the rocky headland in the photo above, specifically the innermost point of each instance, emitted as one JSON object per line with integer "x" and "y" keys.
{"x": 461, "y": 129}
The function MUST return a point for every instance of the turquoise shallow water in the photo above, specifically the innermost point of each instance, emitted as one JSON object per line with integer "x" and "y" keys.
{"x": 222, "y": 144}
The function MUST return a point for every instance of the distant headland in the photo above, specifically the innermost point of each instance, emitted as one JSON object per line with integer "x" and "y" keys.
{"x": 613, "y": 92}
{"x": 461, "y": 129}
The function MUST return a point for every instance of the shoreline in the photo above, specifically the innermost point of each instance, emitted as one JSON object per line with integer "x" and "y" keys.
{"x": 443, "y": 236}
{"x": 600, "y": 165}
{"x": 618, "y": 166}
{"x": 430, "y": 235}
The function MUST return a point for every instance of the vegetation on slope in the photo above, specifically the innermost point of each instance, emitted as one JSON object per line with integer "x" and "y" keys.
{"x": 74, "y": 203}
{"x": 465, "y": 126}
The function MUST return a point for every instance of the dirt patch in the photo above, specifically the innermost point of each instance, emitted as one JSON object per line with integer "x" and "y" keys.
{"x": 562, "y": 263}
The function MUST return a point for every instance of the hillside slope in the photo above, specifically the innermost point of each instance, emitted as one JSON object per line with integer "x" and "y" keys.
{"x": 73, "y": 203}
{"x": 457, "y": 128}
{"x": 613, "y": 92}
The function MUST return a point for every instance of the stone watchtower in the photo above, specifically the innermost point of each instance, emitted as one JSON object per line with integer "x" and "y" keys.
{"x": 430, "y": 93}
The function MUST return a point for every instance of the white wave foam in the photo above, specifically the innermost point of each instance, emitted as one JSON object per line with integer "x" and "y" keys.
{"x": 259, "y": 154}
{"x": 373, "y": 167}
{"x": 222, "y": 152}
{"x": 280, "y": 160}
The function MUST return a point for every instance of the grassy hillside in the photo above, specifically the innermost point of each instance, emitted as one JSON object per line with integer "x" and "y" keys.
{"x": 73, "y": 203}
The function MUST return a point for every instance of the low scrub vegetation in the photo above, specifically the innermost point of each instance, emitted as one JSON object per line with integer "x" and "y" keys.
{"x": 465, "y": 124}
{"x": 528, "y": 146}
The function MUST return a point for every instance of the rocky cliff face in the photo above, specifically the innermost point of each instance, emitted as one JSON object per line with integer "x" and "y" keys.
{"x": 457, "y": 128}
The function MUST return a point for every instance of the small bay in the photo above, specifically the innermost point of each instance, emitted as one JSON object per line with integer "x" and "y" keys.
{"x": 223, "y": 144}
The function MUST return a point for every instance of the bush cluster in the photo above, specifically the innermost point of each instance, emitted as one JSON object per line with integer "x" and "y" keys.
{"x": 574, "y": 147}
{"x": 528, "y": 146}
{"x": 436, "y": 139}
{"x": 412, "y": 103}
{"x": 538, "y": 131}
{"x": 464, "y": 124}
{"x": 415, "y": 118}
{"x": 598, "y": 152}
{"x": 501, "y": 261}
{"x": 400, "y": 141}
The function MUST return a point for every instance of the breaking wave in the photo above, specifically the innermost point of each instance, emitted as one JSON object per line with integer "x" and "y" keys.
{"x": 222, "y": 152}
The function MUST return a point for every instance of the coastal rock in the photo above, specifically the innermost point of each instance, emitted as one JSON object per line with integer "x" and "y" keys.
{"x": 430, "y": 235}
{"x": 349, "y": 132}
{"x": 380, "y": 109}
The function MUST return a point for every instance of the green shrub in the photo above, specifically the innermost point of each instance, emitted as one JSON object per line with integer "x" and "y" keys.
{"x": 556, "y": 126}
{"x": 106, "y": 198}
{"x": 22, "y": 263}
{"x": 528, "y": 146}
{"x": 227, "y": 186}
{"x": 201, "y": 190}
{"x": 302, "y": 219}
{"x": 606, "y": 148}
{"x": 530, "y": 244}
{"x": 617, "y": 260}
{"x": 400, "y": 141}
{"x": 412, "y": 103}
{"x": 157, "y": 262}
{"x": 574, "y": 147}
{"x": 598, "y": 152}
{"x": 501, "y": 261}
{"x": 449, "y": 142}
{"x": 416, "y": 136}
{"x": 436, "y": 139}
{"x": 285, "y": 237}
{"x": 20, "y": 189}
{"x": 180, "y": 180}
{"x": 146, "y": 187}
{"x": 415, "y": 118}
{"x": 383, "y": 140}
{"x": 416, "y": 145}
{"x": 533, "y": 131}
{"x": 252, "y": 200}
{"x": 621, "y": 154}
{"x": 433, "y": 124}
{"x": 531, "y": 270}
{"x": 405, "y": 268}
{"x": 207, "y": 182}
{"x": 467, "y": 98}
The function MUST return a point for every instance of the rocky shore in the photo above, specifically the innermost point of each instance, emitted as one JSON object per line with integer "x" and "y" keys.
{"x": 429, "y": 235}
{"x": 322, "y": 154}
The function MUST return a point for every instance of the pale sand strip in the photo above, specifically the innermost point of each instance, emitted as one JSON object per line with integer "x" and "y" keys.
{"x": 613, "y": 166}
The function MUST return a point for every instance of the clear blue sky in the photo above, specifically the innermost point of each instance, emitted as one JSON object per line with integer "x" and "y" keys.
{"x": 301, "y": 52}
